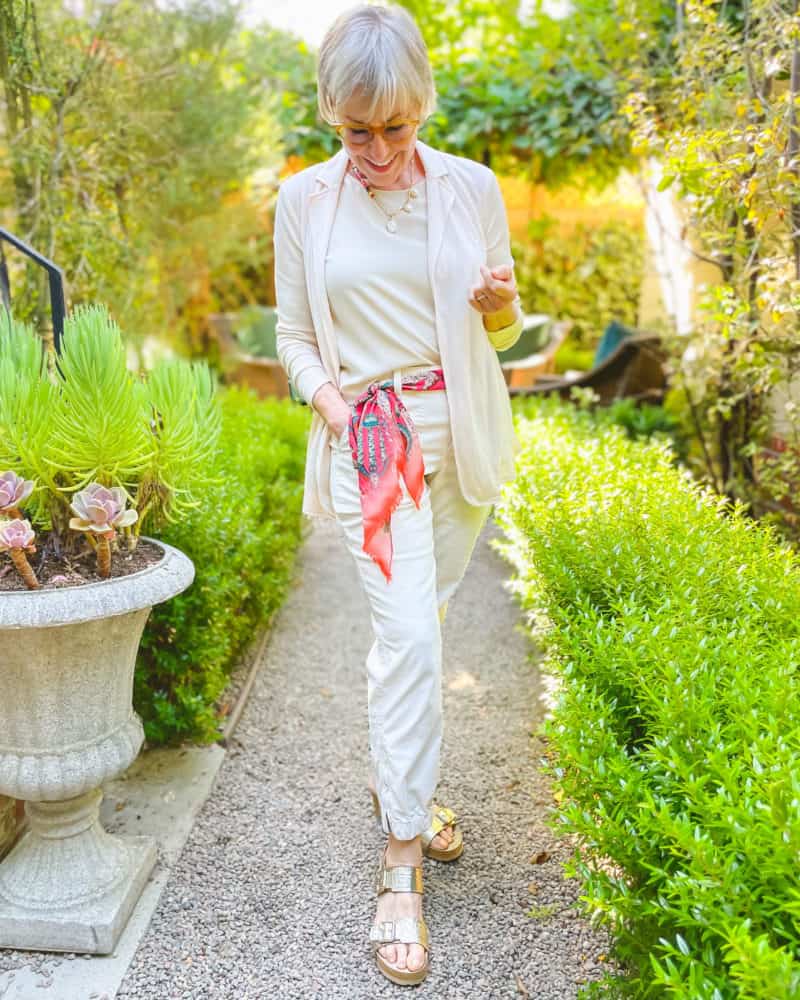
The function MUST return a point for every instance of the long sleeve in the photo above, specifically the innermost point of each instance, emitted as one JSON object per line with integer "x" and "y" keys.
{"x": 296, "y": 340}
{"x": 498, "y": 251}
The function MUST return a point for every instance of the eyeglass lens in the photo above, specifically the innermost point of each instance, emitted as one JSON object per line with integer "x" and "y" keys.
{"x": 361, "y": 136}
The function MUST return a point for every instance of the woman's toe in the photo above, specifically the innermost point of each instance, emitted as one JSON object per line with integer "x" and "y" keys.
{"x": 389, "y": 952}
{"x": 443, "y": 839}
{"x": 416, "y": 958}
{"x": 402, "y": 953}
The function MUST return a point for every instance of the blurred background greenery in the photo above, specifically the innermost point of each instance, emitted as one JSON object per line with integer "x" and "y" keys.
{"x": 142, "y": 147}
{"x": 647, "y": 152}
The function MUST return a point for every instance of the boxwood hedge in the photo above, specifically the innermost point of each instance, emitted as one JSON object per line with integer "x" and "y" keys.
{"x": 242, "y": 539}
{"x": 672, "y": 623}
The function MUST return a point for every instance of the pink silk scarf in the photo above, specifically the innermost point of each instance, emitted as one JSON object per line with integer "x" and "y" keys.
{"x": 385, "y": 445}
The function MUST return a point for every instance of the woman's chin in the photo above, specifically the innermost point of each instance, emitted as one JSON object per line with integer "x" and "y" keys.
{"x": 382, "y": 173}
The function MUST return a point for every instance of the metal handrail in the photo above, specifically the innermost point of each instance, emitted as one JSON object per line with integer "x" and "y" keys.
{"x": 56, "y": 279}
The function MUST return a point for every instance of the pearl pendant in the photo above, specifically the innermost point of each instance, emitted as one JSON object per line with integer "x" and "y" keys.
{"x": 391, "y": 225}
{"x": 406, "y": 208}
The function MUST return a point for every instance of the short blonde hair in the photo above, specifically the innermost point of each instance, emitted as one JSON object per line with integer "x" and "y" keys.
{"x": 379, "y": 52}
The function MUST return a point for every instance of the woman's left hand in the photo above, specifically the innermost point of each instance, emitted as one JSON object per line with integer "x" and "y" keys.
{"x": 496, "y": 291}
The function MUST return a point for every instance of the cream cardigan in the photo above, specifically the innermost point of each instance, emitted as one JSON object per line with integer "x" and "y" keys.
{"x": 467, "y": 226}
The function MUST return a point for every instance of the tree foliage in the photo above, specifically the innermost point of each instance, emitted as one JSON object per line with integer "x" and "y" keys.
{"x": 521, "y": 94}
{"x": 130, "y": 133}
{"x": 723, "y": 123}
{"x": 286, "y": 65}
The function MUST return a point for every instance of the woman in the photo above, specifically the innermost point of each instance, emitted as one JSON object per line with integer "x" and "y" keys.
{"x": 395, "y": 289}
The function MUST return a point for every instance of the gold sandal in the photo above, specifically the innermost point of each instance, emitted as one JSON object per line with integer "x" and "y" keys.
{"x": 442, "y": 817}
{"x": 404, "y": 930}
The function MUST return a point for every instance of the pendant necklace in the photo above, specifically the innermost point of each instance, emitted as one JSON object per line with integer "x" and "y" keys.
{"x": 391, "y": 225}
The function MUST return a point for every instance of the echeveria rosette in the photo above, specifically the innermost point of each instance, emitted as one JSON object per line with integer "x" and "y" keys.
{"x": 17, "y": 538}
{"x": 100, "y": 511}
{"x": 14, "y": 490}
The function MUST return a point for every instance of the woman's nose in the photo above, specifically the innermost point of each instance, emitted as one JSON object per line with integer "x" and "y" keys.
{"x": 379, "y": 148}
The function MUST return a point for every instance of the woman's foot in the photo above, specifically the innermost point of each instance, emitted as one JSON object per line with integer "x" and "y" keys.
{"x": 442, "y": 840}
{"x": 394, "y": 905}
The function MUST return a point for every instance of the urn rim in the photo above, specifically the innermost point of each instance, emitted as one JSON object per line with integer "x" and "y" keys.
{"x": 50, "y": 607}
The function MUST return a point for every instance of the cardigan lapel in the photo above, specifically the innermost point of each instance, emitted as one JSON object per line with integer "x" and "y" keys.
{"x": 440, "y": 202}
{"x": 321, "y": 211}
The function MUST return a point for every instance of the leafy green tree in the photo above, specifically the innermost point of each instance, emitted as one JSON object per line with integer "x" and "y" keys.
{"x": 724, "y": 125}
{"x": 518, "y": 95}
{"x": 285, "y": 66}
{"x": 132, "y": 133}
{"x": 522, "y": 95}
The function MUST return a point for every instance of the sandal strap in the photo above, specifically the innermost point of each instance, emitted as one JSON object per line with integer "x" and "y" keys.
{"x": 404, "y": 930}
{"x": 442, "y": 817}
{"x": 399, "y": 878}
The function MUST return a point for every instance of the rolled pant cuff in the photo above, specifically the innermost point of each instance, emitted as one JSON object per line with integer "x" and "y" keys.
{"x": 406, "y": 827}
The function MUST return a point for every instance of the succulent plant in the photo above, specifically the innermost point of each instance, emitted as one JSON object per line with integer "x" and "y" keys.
{"x": 70, "y": 423}
{"x": 101, "y": 510}
{"x": 14, "y": 490}
{"x": 17, "y": 538}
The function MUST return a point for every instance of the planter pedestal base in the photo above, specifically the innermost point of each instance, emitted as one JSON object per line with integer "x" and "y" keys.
{"x": 67, "y": 726}
{"x": 68, "y": 885}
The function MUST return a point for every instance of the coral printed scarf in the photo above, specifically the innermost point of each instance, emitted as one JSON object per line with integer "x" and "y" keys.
{"x": 385, "y": 445}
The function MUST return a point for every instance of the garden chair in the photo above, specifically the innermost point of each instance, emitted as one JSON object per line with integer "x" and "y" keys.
{"x": 533, "y": 355}
{"x": 628, "y": 363}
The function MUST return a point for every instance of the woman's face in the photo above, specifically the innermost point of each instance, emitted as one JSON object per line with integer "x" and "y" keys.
{"x": 384, "y": 162}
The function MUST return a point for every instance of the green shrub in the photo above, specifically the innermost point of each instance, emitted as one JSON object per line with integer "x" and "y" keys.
{"x": 243, "y": 540}
{"x": 591, "y": 275}
{"x": 673, "y": 624}
{"x": 646, "y": 420}
{"x": 639, "y": 420}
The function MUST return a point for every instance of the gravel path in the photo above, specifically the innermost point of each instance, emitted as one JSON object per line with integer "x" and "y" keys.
{"x": 272, "y": 896}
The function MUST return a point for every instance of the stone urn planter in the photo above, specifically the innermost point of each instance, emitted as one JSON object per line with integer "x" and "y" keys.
{"x": 67, "y": 725}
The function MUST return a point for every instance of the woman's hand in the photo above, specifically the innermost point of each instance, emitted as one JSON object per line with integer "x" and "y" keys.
{"x": 496, "y": 291}
{"x": 335, "y": 411}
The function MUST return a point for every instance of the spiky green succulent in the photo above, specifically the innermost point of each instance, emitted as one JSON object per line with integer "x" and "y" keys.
{"x": 88, "y": 420}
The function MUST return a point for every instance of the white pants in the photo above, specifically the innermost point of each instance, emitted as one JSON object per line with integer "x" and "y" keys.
{"x": 432, "y": 546}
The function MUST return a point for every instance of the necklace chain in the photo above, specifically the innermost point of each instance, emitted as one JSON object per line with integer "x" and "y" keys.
{"x": 391, "y": 225}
